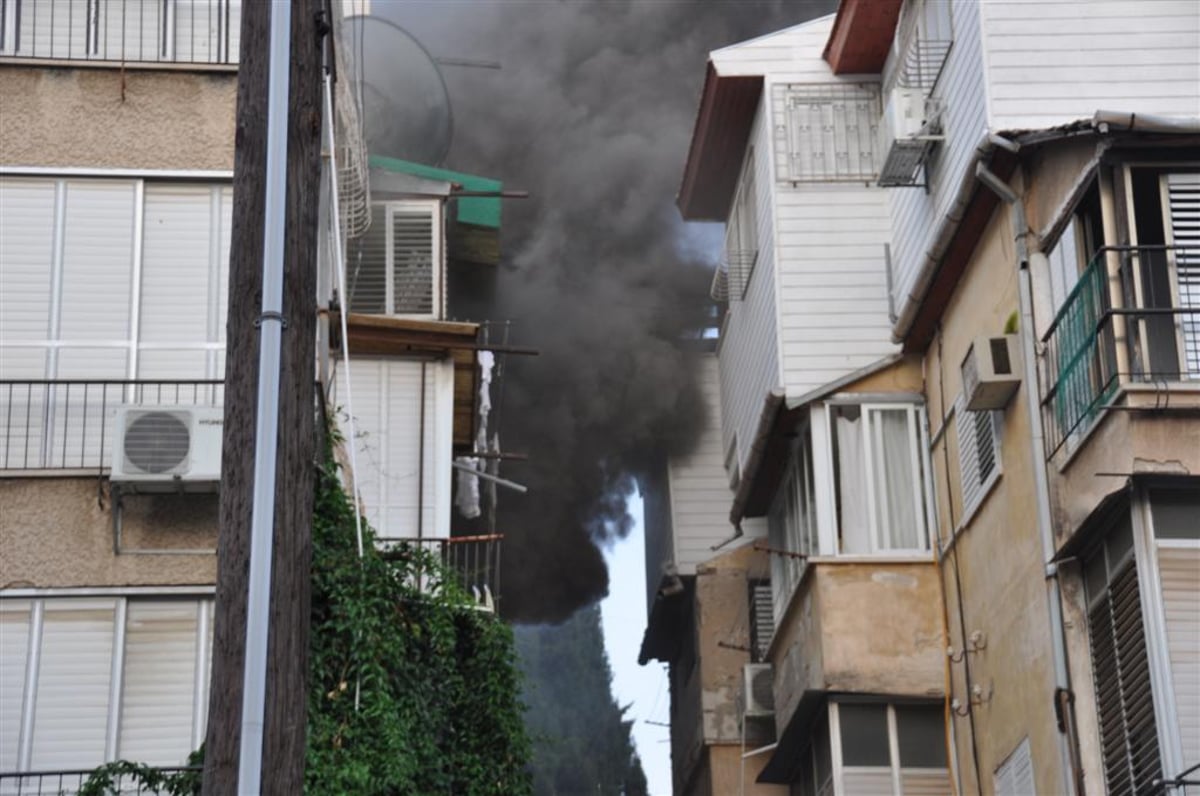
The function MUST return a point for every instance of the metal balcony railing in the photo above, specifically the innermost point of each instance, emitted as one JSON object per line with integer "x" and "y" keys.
{"x": 69, "y": 424}
{"x": 1133, "y": 317}
{"x": 56, "y": 783}
{"x": 473, "y": 560}
{"x": 202, "y": 32}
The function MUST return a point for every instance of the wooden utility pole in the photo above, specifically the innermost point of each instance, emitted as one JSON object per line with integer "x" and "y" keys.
{"x": 287, "y": 651}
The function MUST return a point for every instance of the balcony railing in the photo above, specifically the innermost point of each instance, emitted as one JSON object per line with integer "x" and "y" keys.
{"x": 56, "y": 783}
{"x": 1134, "y": 316}
{"x": 122, "y": 31}
{"x": 69, "y": 424}
{"x": 473, "y": 560}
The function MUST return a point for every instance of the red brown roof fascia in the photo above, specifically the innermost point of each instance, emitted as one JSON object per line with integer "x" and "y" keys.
{"x": 723, "y": 122}
{"x": 862, "y": 36}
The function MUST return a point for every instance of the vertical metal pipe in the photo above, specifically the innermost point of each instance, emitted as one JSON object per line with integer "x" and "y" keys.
{"x": 262, "y": 521}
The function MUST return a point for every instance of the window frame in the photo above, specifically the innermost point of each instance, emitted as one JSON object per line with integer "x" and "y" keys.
{"x": 895, "y": 767}
{"x": 918, "y": 438}
{"x": 741, "y": 245}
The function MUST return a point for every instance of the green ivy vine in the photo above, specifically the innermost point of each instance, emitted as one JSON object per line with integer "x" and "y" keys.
{"x": 412, "y": 690}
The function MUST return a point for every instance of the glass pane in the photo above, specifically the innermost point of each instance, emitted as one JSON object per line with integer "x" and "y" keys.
{"x": 921, "y": 732}
{"x": 850, "y": 467}
{"x": 822, "y": 754}
{"x": 895, "y": 482}
{"x": 864, "y": 735}
{"x": 1119, "y": 543}
{"x": 1176, "y": 514}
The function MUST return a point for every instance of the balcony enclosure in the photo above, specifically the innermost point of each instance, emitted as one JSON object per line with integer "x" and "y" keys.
{"x": 1133, "y": 318}
{"x": 122, "y": 31}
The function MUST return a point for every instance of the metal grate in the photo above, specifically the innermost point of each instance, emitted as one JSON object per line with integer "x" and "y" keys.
{"x": 830, "y": 131}
{"x": 157, "y": 442}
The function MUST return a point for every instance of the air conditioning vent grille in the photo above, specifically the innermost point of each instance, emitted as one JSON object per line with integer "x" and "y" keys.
{"x": 157, "y": 442}
{"x": 762, "y": 689}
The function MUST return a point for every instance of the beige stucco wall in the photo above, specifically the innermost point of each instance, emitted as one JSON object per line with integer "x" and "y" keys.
{"x": 998, "y": 554}
{"x": 112, "y": 118}
{"x": 730, "y": 778}
{"x": 54, "y": 533}
{"x": 864, "y": 627}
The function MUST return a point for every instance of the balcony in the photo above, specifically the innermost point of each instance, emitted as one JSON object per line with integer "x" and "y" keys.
{"x": 1132, "y": 319}
{"x": 61, "y": 427}
{"x": 124, "y": 32}
{"x": 474, "y": 561}
{"x": 55, "y": 783}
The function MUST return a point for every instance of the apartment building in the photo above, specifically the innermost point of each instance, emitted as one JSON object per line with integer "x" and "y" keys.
{"x": 956, "y": 380}
{"x": 116, "y": 156}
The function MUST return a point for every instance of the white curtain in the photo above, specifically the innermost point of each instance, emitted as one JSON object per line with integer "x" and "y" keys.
{"x": 852, "y": 488}
{"x": 895, "y": 487}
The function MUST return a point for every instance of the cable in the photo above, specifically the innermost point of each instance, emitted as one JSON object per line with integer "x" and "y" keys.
{"x": 962, "y": 622}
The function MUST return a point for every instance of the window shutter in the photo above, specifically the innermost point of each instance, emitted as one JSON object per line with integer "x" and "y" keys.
{"x": 159, "y": 685}
{"x": 1183, "y": 196}
{"x": 762, "y": 618}
{"x": 414, "y": 265}
{"x": 180, "y": 260}
{"x": 1120, "y": 667}
{"x": 97, "y": 279}
{"x": 1179, "y": 572}
{"x": 867, "y": 781}
{"x": 366, "y": 270}
{"x": 395, "y": 268}
{"x": 14, "y": 651}
{"x": 26, "y": 249}
{"x": 978, "y": 453}
{"x": 71, "y": 713}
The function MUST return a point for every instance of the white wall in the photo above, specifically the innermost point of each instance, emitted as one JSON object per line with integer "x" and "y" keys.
{"x": 699, "y": 489}
{"x": 1054, "y": 61}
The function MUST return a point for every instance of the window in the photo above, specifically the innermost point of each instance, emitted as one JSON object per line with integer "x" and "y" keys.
{"x": 396, "y": 267}
{"x": 792, "y": 522}
{"x": 891, "y": 749}
{"x": 830, "y": 132}
{"x": 1120, "y": 664}
{"x": 741, "y": 234}
{"x": 112, "y": 677}
{"x": 880, "y": 476}
{"x": 1014, "y": 777}
{"x": 978, "y": 454}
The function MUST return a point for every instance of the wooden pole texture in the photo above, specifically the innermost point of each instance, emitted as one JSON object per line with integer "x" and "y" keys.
{"x": 287, "y": 652}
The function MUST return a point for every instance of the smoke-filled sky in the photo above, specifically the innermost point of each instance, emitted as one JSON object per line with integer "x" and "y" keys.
{"x": 591, "y": 112}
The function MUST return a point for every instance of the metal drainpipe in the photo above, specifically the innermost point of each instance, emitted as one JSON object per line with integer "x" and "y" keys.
{"x": 266, "y": 432}
{"x": 1041, "y": 478}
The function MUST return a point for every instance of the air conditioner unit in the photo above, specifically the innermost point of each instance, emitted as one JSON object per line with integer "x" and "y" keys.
{"x": 991, "y": 372}
{"x": 758, "y": 689}
{"x": 167, "y": 448}
{"x": 909, "y": 131}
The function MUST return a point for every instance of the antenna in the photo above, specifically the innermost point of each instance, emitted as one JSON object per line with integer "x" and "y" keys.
{"x": 405, "y": 104}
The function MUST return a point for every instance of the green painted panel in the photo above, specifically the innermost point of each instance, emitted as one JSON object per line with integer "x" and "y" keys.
{"x": 482, "y": 211}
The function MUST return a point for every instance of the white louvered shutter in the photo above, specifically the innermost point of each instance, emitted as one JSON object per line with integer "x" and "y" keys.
{"x": 14, "y": 651}
{"x": 26, "y": 249}
{"x": 396, "y": 267}
{"x": 180, "y": 261}
{"x": 367, "y": 269}
{"x": 97, "y": 279}
{"x": 157, "y": 701}
{"x": 978, "y": 452}
{"x": 1014, "y": 777}
{"x": 867, "y": 781}
{"x": 71, "y": 714}
{"x": 1179, "y": 571}
{"x": 1183, "y": 192}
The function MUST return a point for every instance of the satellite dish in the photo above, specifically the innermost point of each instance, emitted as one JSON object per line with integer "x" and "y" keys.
{"x": 405, "y": 104}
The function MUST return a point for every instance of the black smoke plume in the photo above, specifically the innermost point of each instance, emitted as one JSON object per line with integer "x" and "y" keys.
{"x": 591, "y": 112}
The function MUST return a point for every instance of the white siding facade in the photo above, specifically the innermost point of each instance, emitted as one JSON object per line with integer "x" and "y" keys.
{"x": 699, "y": 489}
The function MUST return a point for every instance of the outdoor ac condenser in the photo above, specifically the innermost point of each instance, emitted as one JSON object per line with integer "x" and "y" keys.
{"x": 163, "y": 448}
{"x": 991, "y": 372}
{"x": 759, "y": 689}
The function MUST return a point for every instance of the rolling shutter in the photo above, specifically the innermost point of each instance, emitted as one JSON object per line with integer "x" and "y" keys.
{"x": 14, "y": 653}
{"x": 26, "y": 252}
{"x": 1120, "y": 668}
{"x": 160, "y": 670}
{"x": 181, "y": 258}
{"x": 71, "y": 712}
{"x": 1179, "y": 572}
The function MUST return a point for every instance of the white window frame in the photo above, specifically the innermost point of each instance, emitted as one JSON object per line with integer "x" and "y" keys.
{"x": 793, "y": 522}
{"x": 119, "y": 599}
{"x": 741, "y": 232}
{"x": 896, "y": 768}
{"x": 919, "y": 461}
